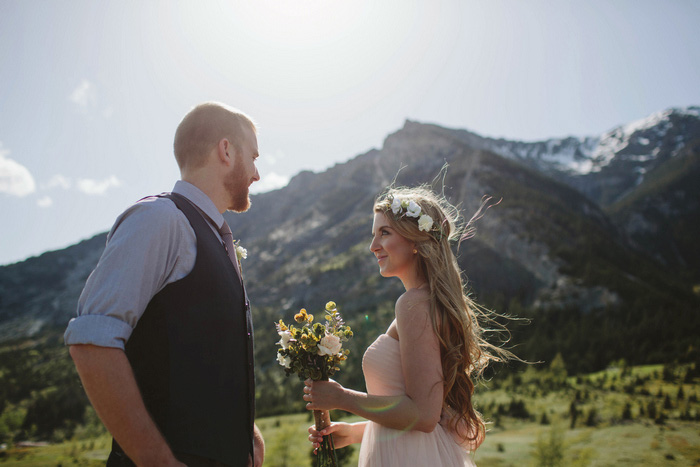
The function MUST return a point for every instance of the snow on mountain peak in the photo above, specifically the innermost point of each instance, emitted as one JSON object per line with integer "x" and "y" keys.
{"x": 642, "y": 141}
{"x": 658, "y": 119}
{"x": 639, "y": 132}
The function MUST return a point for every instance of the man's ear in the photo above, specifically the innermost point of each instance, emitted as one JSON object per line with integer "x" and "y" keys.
{"x": 225, "y": 151}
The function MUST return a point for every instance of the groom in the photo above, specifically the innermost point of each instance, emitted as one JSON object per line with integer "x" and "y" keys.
{"x": 163, "y": 341}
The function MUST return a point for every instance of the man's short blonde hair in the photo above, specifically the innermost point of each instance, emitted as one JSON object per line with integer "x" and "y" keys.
{"x": 203, "y": 127}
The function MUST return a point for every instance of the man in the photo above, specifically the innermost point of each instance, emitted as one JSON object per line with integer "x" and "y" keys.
{"x": 163, "y": 338}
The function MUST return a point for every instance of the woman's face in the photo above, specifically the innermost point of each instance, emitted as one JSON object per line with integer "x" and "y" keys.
{"x": 394, "y": 253}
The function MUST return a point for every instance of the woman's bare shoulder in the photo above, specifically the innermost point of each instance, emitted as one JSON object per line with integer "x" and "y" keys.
{"x": 412, "y": 304}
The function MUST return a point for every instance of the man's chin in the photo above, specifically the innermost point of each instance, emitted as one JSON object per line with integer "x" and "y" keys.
{"x": 240, "y": 206}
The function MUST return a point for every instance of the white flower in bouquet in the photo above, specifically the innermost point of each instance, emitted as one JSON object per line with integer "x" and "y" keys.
{"x": 286, "y": 336}
{"x": 413, "y": 209}
{"x": 330, "y": 345}
{"x": 284, "y": 361}
{"x": 425, "y": 223}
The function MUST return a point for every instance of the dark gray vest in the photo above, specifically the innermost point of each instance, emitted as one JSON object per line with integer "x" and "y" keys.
{"x": 192, "y": 355}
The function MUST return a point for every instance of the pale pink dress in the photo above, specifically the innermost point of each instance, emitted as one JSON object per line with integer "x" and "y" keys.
{"x": 386, "y": 447}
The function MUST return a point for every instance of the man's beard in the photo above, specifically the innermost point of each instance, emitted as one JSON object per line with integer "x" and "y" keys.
{"x": 237, "y": 186}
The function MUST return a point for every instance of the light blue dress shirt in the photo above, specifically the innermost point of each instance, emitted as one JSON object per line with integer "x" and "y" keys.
{"x": 151, "y": 245}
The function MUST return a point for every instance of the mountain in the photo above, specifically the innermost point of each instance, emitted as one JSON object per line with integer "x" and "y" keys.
{"x": 577, "y": 235}
{"x": 43, "y": 291}
{"x": 662, "y": 214}
{"x": 320, "y": 225}
{"x": 641, "y": 174}
{"x": 608, "y": 167}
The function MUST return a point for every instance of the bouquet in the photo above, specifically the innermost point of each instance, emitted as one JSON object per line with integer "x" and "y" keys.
{"x": 314, "y": 350}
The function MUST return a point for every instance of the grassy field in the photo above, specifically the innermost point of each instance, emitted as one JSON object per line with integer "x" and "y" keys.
{"x": 642, "y": 416}
{"x": 629, "y": 444}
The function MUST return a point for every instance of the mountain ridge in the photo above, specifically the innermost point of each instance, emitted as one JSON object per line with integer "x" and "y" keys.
{"x": 548, "y": 245}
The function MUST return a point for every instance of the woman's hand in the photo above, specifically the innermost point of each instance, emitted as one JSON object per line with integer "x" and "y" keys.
{"x": 323, "y": 395}
{"x": 344, "y": 434}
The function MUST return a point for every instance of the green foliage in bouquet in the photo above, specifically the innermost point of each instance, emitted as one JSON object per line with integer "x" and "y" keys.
{"x": 313, "y": 350}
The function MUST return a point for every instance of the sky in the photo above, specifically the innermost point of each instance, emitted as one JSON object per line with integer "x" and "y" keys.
{"x": 91, "y": 91}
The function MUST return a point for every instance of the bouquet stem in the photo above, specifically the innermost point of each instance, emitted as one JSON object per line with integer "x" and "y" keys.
{"x": 326, "y": 451}
{"x": 322, "y": 419}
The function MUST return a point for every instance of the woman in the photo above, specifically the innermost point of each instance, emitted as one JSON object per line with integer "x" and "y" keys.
{"x": 418, "y": 406}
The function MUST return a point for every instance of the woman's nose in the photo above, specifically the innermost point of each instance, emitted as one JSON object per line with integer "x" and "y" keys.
{"x": 373, "y": 246}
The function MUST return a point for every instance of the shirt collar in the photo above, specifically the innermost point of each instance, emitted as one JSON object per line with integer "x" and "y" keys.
{"x": 200, "y": 200}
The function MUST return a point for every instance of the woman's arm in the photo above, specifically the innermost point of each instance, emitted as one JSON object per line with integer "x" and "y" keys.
{"x": 344, "y": 434}
{"x": 418, "y": 409}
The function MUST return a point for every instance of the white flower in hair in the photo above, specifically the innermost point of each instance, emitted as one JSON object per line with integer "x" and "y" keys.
{"x": 396, "y": 206}
{"x": 413, "y": 209}
{"x": 425, "y": 223}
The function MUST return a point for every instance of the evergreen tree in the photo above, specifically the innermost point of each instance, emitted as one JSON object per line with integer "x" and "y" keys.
{"x": 667, "y": 403}
{"x": 669, "y": 372}
{"x": 573, "y": 413}
{"x": 661, "y": 419}
{"x": 627, "y": 412}
{"x": 592, "y": 418}
{"x": 497, "y": 422}
{"x": 558, "y": 370}
{"x": 651, "y": 410}
{"x": 544, "y": 420}
{"x": 549, "y": 451}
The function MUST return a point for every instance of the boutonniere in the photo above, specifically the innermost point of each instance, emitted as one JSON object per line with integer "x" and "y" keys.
{"x": 241, "y": 253}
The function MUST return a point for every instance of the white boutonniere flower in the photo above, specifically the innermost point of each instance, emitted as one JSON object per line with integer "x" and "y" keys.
{"x": 241, "y": 253}
{"x": 425, "y": 223}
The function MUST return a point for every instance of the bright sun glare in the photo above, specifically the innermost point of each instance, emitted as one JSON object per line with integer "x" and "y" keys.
{"x": 284, "y": 43}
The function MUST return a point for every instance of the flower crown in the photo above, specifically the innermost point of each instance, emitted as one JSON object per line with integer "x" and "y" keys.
{"x": 402, "y": 207}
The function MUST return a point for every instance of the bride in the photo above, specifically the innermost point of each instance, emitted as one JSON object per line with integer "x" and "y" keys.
{"x": 418, "y": 374}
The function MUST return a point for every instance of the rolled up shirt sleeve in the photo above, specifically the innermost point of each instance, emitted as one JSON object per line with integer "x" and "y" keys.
{"x": 150, "y": 245}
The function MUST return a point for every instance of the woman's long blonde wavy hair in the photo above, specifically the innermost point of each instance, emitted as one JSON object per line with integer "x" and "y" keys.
{"x": 464, "y": 352}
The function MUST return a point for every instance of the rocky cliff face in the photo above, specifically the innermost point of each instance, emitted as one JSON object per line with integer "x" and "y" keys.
{"x": 661, "y": 215}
